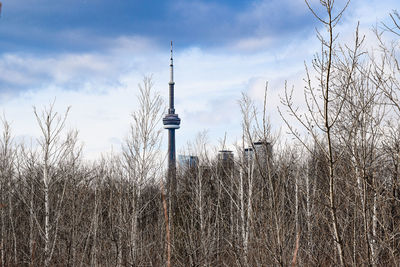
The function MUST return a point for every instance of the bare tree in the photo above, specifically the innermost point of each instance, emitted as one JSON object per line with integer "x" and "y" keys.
{"x": 53, "y": 150}
{"x": 7, "y": 158}
{"x": 386, "y": 77}
{"x": 322, "y": 115}
{"x": 141, "y": 152}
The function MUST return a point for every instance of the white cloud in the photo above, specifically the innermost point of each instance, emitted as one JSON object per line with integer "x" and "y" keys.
{"x": 253, "y": 44}
{"x": 208, "y": 85}
{"x": 101, "y": 88}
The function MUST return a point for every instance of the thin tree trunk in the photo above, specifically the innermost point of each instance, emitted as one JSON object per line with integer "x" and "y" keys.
{"x": 249, "y": 212}
{"x": 308, "y": 214}
{"x": 93, "y": 258}
{"x": 2, "y": 214}
{"x": 332, "y": 194}
{"x": 31, "y": 227}
{"x": 119, "y": 241}
{"x": 46, "y": 217}
{"x": 374, "y": 248}
{"x": 242, "y": 213}
{"x": 10, "y": 215}
{"x": 134, "y": 218}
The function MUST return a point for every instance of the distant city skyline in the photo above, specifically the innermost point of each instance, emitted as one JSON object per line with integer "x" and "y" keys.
{"x": 91, "y": 56}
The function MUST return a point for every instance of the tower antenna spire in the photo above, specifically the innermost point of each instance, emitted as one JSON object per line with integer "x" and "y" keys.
{"x": 171, "y": 65}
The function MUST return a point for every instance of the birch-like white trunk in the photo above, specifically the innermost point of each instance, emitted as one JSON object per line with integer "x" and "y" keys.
{"x": 242, "y": 213}
{"x": 374, "y": 248}
{"x": 46, "y": 215}
{"x": 12, "y": 223}
{"x": 119, "y": 241}
{"x": 134, "y": 218}
{"x": 2, "y": 214}
{"x": 93, "y": 258}
{"x": 199, "y": 197}
{"x": 31, "y": 226}
{"x": 249, "y": 210}
{"x": 296, "y": 202}
{"x": 308, "y": 213}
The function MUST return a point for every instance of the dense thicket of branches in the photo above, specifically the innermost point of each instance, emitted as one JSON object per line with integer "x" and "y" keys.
{"x": 332, "y": 200}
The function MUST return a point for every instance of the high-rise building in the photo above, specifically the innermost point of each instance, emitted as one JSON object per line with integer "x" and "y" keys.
{"x": 171, "y": 122}
{"x": 225, "y": 157}
{"x": 260, "y": 155}
{"x": 226, "y": 161}
{"x": 188, "y": 161}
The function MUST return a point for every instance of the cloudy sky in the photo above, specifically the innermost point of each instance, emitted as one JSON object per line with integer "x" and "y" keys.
{"x": 91, "y": 55}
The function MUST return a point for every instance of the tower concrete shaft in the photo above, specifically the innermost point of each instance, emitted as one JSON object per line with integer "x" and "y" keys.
{"x": 171, "y": 122}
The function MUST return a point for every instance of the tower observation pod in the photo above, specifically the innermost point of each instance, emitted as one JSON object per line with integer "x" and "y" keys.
{"x": 171, "y": 122}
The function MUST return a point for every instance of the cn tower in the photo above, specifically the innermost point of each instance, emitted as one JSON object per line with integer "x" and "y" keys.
{"x": 171, "y": 122}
